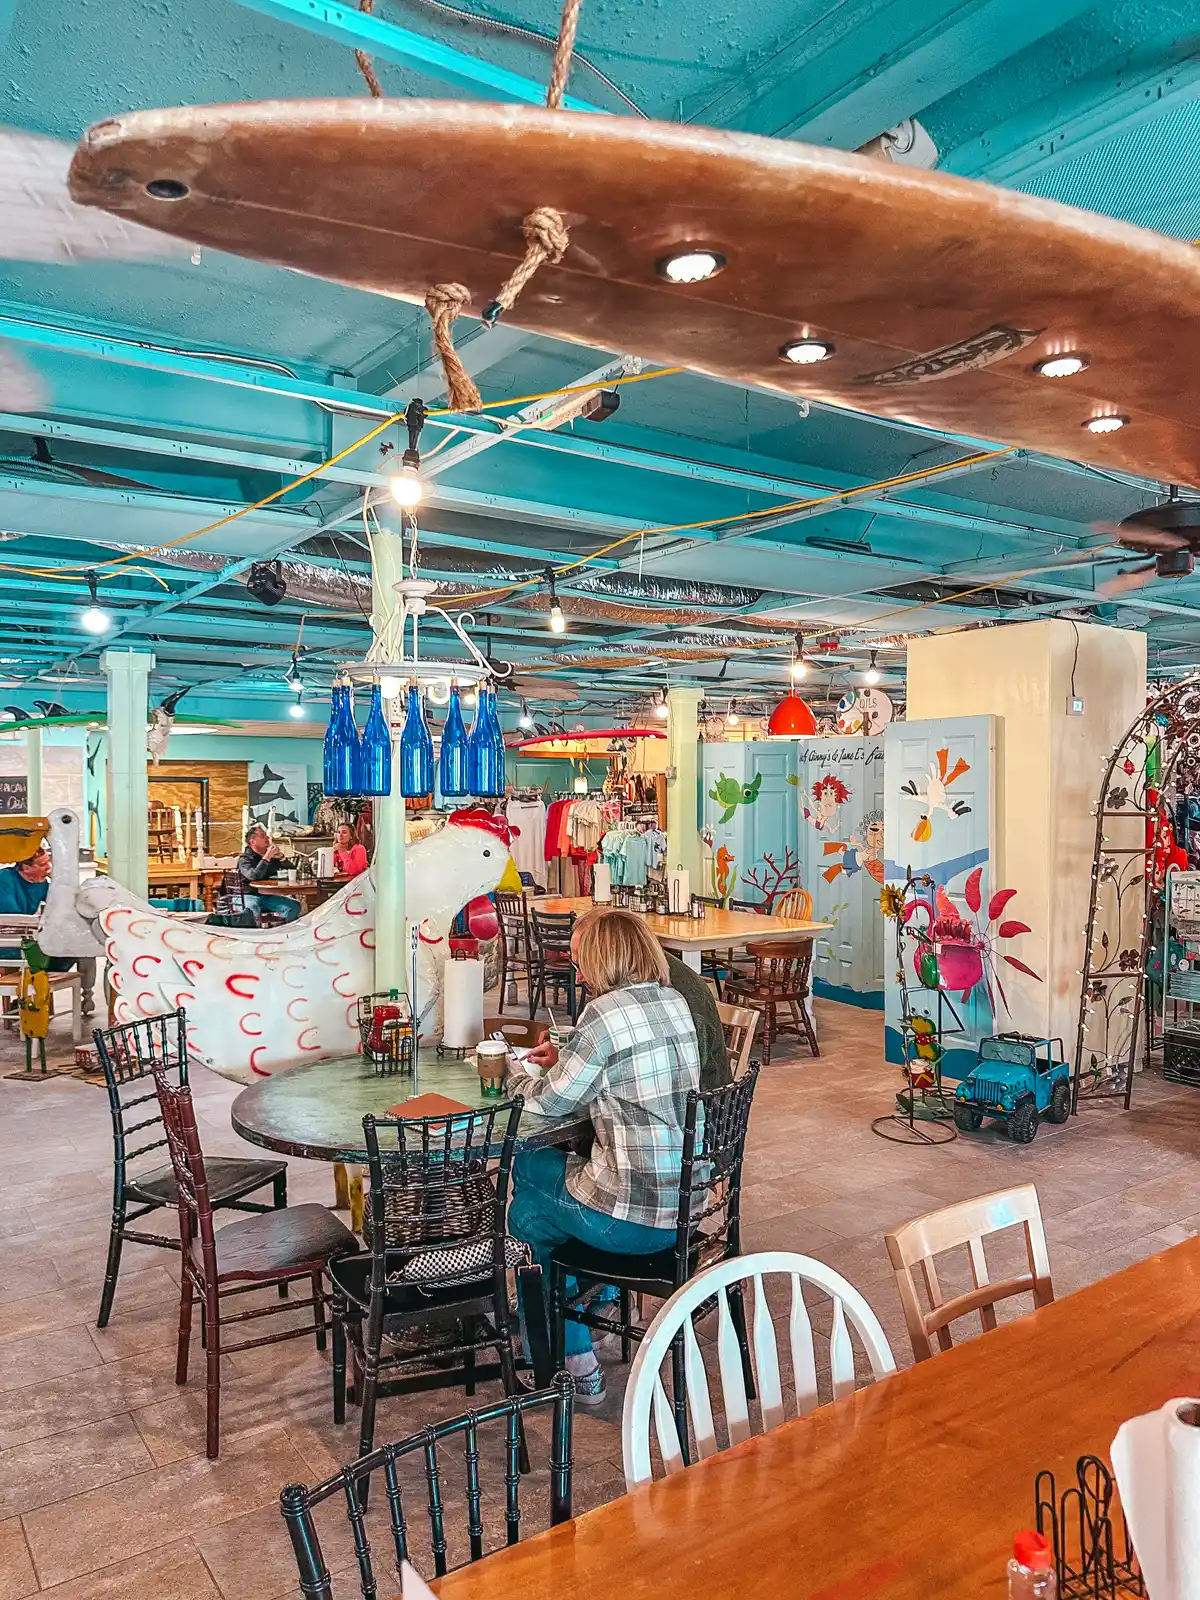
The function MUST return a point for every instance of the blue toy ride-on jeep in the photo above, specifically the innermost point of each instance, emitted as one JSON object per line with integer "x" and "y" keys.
{"x": 1018, "y": 1080}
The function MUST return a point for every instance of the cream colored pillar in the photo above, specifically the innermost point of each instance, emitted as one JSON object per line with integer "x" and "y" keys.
{"x": 683, "y": 783}
{"x": 391, "y": 940}
{"x": 128, "y": 673}
{"x": 33, "y": 782}
{"x": 1048, "y": 771}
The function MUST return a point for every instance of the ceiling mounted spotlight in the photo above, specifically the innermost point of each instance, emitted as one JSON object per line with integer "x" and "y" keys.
{"x": 872, "y": 675}
{"x": 558, "y": 623}
{"x": 95, "y": 619}
{"x": 1063, "y": 366}
{"x": 1109, "y": 423}
{"x": 690, "y": 266}
{"x": 807, "y": 352}
{"x": 267, "y": 583}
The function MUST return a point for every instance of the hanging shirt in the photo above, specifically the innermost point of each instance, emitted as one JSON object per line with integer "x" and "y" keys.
{"x": 528, "y": 847}
{"x": 585, "y": 825}
{"x": 556, "y": 821}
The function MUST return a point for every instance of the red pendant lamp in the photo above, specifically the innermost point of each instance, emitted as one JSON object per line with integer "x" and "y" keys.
{"x": 791, "y": 718}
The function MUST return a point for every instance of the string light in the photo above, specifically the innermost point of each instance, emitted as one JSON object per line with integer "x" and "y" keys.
{"x": 95, "y": 619}
{"x": 524, "y": 720}
{"x": 731, "y": 717}
{"x": 872, "y": 675}
{"x": 558, "y": 623}
{"x": 663, "y": 708}
{"x": 799, "y": 667}
{"x": 406, "y": 488}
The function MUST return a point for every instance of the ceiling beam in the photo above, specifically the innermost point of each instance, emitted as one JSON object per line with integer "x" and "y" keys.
{"x": 358, "y": 30}
{"x": 847, "y": 75}
{"x": 1156, "y": 77}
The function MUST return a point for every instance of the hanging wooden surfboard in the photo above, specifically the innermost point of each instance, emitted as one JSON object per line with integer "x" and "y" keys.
{"x": 937, "y": 296}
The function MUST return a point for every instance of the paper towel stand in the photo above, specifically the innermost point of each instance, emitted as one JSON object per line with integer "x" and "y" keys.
{"x": 1093, "y": 1554}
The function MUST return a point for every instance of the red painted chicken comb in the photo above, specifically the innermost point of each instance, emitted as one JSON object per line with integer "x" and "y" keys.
{"x": 477, "y": 817}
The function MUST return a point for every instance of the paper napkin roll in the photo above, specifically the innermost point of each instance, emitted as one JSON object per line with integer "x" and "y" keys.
{"x": 1156, "y": 1460}
{"x": 679, "y": 892}
{"x": 462, "y": 1002}
{"x": 601, "y": 883}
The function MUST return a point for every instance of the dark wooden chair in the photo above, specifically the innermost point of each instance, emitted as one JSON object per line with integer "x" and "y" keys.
{"x": 516, "y": 1030}
{"x": 278, "y": 1247}
{"x": 127, "y": 1056}
{"x": 720, "y": 965}
{"x": 707, "y": 1231}
{"x": 780, "y": 981}
{"x": 297, "y": 1503}
{"x": 438, "y": 1256}
{"x": 512, "y": 911}
{"x": 552, "y": 967}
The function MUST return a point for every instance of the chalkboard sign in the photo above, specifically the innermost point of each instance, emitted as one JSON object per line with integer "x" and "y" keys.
{"x": 14, "y": 797}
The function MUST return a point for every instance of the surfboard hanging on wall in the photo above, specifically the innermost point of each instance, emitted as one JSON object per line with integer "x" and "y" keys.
{"x": 906, "y": 294}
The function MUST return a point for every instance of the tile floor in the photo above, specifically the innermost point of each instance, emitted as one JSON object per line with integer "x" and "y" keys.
{"x": 104, "y": 1488}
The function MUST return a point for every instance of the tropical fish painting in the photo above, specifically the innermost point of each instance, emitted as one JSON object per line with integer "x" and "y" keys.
{"x": 731, "y": 794}
{"x": 931, "y": 790}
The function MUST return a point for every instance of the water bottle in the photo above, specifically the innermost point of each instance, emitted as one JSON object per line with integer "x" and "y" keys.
{"x": 416, "y": 750}
{"x": 453, "y": 776}
{"x": 1031, "y": 1571}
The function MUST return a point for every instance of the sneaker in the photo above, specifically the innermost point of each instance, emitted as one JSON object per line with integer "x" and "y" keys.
{"x": 590, "y": 1388}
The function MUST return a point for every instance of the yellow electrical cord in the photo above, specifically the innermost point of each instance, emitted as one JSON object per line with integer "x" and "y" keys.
{"x": 836, "y": 496}
{"x": 61, "y": 574}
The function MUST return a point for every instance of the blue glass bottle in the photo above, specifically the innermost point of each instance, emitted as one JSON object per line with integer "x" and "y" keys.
{"x": 343, "y": 751}
{"x": 485, "y": 756}
{"x": 453, "y": 774}
{"x": 416, "y": 750}
{"x": 376, "y": 749}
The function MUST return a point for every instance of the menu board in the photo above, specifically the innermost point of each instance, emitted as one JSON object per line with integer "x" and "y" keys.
{"x": 14, "y": 797}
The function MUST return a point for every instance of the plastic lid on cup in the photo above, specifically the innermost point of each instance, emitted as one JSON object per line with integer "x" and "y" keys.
{"x": 1032, "y": 1551}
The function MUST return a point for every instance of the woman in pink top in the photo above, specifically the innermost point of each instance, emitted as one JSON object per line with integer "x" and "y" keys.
{"x": 349, "y": 857}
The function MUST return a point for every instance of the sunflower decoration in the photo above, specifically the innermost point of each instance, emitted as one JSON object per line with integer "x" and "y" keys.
{"x": 891, "y": 900}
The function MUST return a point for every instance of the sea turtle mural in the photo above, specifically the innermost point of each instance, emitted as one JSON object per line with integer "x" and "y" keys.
{"x": 731, "y": 794}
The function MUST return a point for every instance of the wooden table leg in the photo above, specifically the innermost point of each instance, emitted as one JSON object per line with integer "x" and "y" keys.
{"x": 356, "y": 1199}
{"x": 341, "y": 1187}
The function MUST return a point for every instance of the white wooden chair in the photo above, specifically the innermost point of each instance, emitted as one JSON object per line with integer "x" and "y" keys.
{"x": 965, "y": 1223}
{"x": 646, "y": 1400}
{"x": 739, "y": 1024}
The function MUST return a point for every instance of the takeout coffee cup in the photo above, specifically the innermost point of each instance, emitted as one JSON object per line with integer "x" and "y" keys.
{"x": 491, "y": 1060}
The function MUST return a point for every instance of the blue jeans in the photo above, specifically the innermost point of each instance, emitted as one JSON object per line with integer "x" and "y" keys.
{"x": 544, "y": 1214}
{"x": 279, "y": 905}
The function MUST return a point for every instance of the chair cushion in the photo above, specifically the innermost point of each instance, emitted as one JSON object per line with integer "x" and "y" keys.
{"x": 274, "y": 1241}
{"x": 352, "y": 1275}
{"x": 459, "y": 1263}
{"x": 228, "y": 1179}
{"x": 607, "y": 1266}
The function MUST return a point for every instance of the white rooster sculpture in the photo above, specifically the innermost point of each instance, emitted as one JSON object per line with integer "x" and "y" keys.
{"x": 262, "y": 999}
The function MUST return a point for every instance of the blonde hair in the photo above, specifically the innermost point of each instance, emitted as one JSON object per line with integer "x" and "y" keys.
{"x": 615, "y": 949}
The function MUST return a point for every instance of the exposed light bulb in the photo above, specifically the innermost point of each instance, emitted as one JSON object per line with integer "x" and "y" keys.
{"x": 690, "y": 266}
{"x": 406, "y": 488}
{"x": 662, "y": 710}
{"x": 558, "y": 623}
{"x": 95, "y": 620}
{"x": 799, "y": 669}
{"x": 731, "y": 717}
{"x": 297, "y": 710}
{"x": 470, "y": 698}
{"x": 524, "y": 720}
{"x": 872, "y": 675}
{"x": 389, "y": 688}
{"x": 438, "y": 691}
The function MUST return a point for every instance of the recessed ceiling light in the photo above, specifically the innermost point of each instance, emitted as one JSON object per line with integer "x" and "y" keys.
{"x": 690, "y": 266}
{"x": 1064, "y": 366}
{"x": 167, "y": 189}
{"x": 804, "y": 352}
{"x": 1106, "y": 424}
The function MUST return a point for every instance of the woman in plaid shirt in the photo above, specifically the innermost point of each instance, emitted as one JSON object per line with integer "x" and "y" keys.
{"x": 631, "y": 1061}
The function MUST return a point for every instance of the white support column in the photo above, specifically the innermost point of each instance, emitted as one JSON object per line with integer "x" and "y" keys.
{"x": 683, "y": 758}
{"x": 128, "y": 673}
{"x": 391, "y": 939}
{"x": 33, "y": 757}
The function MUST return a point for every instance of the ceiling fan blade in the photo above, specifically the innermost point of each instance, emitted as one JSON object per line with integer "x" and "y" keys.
{"x": 1126, "y": 582}
{"x": 40, "y": 222}
{"x": 20, "y": 387}
{"x": 1143, "y": 538}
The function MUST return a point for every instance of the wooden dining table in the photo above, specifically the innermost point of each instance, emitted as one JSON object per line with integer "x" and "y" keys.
{"x": 909, "y": 1489}
{"x": 718, "y": 929}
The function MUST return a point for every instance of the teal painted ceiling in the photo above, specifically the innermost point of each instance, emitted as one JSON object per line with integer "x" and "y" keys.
{"x": 170, "y": 393}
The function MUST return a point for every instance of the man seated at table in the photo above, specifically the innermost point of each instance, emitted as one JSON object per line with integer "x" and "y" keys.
{"x": 631, "y": 1062}
{"x": 710, "y": 1033}
{"x": 23, "y": 892}
{"x": 258, "y": 863}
